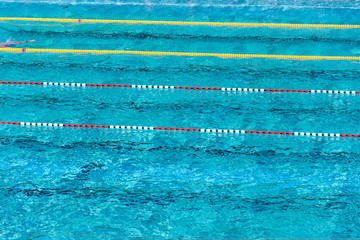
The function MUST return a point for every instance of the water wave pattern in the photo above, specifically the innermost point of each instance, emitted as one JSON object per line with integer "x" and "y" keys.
{"x": 325, "y": 4}
{"x": 179, "y": 163}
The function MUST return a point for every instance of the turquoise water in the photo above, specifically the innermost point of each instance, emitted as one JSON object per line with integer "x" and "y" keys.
{"x": 73, "y": 183}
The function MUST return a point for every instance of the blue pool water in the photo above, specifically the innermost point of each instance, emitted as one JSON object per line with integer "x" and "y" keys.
{"x": 60, "y": 183}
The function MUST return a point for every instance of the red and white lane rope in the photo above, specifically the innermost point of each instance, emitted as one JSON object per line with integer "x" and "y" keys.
{"x": 207, "y": 130}
{"x": 180, "y": 87}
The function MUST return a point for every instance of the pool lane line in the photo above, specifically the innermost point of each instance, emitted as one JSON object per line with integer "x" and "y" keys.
{"x": 229, "y": 24}
{"x": 188, "y": 54}
{"x": 207, "y": 130}
{"x": 180, "y": 87}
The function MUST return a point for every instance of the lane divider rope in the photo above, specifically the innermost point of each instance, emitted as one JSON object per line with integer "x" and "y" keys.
{"x": 234, "y": 24}
{"x": 179, "y": 87}
{"x": 188, "y": 54}
{"x": 207, "y": 130}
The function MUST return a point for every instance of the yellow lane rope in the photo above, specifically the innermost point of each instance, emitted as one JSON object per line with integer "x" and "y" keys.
{"x": 221, "y": 55}
{"x": 181, "y": 23}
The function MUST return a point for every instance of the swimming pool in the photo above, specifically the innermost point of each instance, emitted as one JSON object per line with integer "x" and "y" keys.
{"x": 105, "y": 183}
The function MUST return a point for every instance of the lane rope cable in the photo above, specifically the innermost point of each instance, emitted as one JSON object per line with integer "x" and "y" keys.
{"x": 180, "y": 87}
{"x": 235, "y": 24}
{"x": 188, "y": 54}
{"x": 207, "y": 130}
